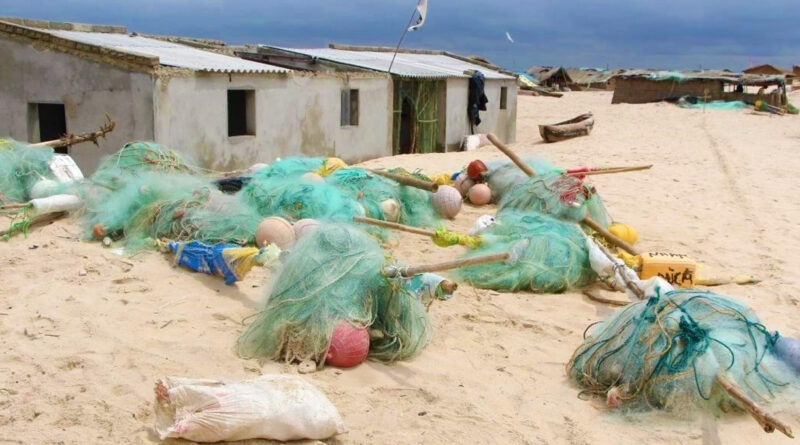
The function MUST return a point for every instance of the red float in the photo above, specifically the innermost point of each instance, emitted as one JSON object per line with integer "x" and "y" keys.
{"x": 349, "y": 345}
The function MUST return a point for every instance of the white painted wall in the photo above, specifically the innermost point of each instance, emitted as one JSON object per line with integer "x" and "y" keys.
{"x": 296, "y": 114}
{"x": 88, "y": 90}
{"x": 503, "y": 123}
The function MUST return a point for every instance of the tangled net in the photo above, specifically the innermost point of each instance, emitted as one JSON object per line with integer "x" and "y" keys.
{"x": 20, "y": 168}
{"x": 551, "y": 255}
{"x": 561, "y": 196}
{"x": 139, "y": 157}
{"x": 335, "y": 275}
{"x": 291, "y": 167}
{"x": 666, "y": 352}
{"x": 504, "y": 176}
{"x": 296, "y": 198}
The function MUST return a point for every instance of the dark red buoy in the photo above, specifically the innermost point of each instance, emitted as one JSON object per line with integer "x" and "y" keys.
{"x": 349, "y": 345}
{"x": 476, "y": 169}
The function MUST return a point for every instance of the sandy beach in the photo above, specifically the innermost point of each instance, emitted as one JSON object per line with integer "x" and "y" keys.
{"x": 85, "y": 332}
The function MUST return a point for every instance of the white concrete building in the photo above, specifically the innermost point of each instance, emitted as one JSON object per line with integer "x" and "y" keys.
{"x": 224, "y": 112}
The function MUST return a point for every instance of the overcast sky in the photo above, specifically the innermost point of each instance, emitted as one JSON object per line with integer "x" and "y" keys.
{"x": 676, "y": 34}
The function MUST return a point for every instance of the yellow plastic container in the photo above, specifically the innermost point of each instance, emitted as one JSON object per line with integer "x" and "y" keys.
{"x": 677, "y": 269}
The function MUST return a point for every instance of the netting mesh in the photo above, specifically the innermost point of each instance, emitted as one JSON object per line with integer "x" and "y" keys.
{"x": 139, "y": 157}
{"x": 20, "y": 168}
{"x": 665, "y": 352}
{"x": 335, "y": 275}
{"x": 503, "y": 176}
{"x": 549, "y": 255}
{"x": 291, "y": 167}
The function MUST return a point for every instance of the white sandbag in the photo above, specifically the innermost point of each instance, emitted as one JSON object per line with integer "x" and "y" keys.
{"x": 278, "y": 407}
{"x": 56, "y": 203}
{"x": 64, "y": 168}
{"x": 473, "y": 141}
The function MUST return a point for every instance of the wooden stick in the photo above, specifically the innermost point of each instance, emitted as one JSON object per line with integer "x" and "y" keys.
{"x": 609, "y": 236}
{"x": 511, "y": 155}
{"x": 765, "y": 419}
{"x": 600, "y": 299}
{"x": 410, "y": 271}
{"x": 409, "y": 180}
{"x": 15, "y": 205}
{"x": 608, "y": 170}
{"x": 40, "y": 220}
{"x": 392, "y": 225}
{"x": 71, "y": 139}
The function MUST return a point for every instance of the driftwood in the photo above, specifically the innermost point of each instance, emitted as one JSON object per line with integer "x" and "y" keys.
{"x": 72, "y": 139}
{"x": 577, "y": 126}
{"x": 767, "y": 421}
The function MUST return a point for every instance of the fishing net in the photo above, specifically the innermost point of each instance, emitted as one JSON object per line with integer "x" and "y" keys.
{"x": 291, "y": 167}
{"x": 335, "y": 275}
{"x": 20, "y": 168}
{"x": 417, "y": 209}
{"x": 695, "y": 103}
{"x": 503, "y": 176}
{"x": 139, "y": 157}
{"x": 548, "y": 255}
{"x": 296, "y": 198}
{"x": 667, "y": 351}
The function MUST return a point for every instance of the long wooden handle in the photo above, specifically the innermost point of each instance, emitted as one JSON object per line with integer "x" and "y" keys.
{"x": 767, "y": 421}
{"x": 511, "y": 155}
{"x": 609, "y": 236}
{"x": 108, "y": 127}
{"x": 40, "y": 220}
{"x": 607, "y": 170}
{"x": 392, "y": 225}
{"x": 409, "y": 180}
{"x": 410, "y": 271}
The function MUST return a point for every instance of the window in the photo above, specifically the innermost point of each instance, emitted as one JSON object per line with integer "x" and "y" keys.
{"x": 48, "y": 122}
{"x": 241, "y": 112}
{"x": 503, "y": 98}
{"x": 349, "y": 108}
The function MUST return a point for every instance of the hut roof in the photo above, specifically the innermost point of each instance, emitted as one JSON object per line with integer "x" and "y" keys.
{"x": 544, "y": 73}
{"x": 725, "y": 77}
{"x": 766, "y": 69}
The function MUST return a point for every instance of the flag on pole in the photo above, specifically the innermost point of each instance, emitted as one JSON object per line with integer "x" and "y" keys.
{"x": 508, "y": 36}
{"x": 422, "y": 9}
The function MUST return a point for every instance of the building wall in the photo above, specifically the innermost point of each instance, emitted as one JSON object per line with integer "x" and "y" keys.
{"x": 638, "y": 91}
{"x": 502, "y": 123}
{"x": 296, "y": 114}
{"x": 89, "y": 90}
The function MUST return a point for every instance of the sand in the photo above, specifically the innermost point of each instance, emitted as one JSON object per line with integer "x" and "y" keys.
{"x": 84, "y": 332}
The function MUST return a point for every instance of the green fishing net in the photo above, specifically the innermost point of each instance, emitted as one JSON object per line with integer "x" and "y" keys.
{"x": 695, "y": 103}
{"x": 291, "y": 167}
{"x": 20, "y": 168}
{"x": 335, "y": 275}
{"x": 548, "y": 255}
{"x": 296, "y": 198}
{"x": 417, "y": 209}
{"x": 665, "y": 352}
{"x": 139, "y": 157}
{"x": 503, "y": 176}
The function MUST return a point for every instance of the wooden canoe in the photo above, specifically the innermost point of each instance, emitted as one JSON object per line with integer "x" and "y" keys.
{"x": 577, "y": 126}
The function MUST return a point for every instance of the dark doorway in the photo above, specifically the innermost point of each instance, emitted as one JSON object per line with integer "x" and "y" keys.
{"x": 407, "y": 127}
{"x": 241, "y": 112}
{"x": 52, "y": 123}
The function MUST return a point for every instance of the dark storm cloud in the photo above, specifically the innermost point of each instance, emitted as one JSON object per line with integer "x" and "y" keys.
{"x": 623, "y": 33}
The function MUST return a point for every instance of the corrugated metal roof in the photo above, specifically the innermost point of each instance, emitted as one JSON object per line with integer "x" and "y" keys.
{"x": 405, "y": 65}
{"x": 169, "y": 54}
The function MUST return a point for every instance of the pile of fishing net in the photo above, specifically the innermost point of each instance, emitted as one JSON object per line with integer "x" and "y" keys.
{"x": 292, "y": 167}
{"x": 548, "y": 255}
{"x": 296, "y": 197}
{"x": 504, "y": 176}
{"x": 167, "y": 205}
{"x": 335, "y": 275}
{"x": 21, "y": 167}
{"x": 670, "y": 350}
{"x": 140, "y": 157}
{"x": 384, "y": 198}
{"x": 564, "y": 197}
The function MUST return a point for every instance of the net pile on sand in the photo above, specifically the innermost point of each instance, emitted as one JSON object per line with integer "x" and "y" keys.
{"x": 139, "y": 157}
{"x": 21, "y": 167}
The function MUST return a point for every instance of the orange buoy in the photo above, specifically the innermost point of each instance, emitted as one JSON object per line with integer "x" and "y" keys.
{"x": 480, "y": 194}
{"x": 275, "y": 230}
{"x": 476, "y": 169}
{"x": 349, "y": 345}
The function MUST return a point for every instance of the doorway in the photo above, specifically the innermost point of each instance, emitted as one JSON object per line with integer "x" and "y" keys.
{"x": 407, "y": 127}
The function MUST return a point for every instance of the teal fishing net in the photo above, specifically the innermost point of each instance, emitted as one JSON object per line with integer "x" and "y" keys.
{"x": 296, "y": 198}
{"x": 291, "y": 167}
{"x": 503, "y": 176}
{"x": 20, "y": 168}
{"x": 563, "y": 197}
{"x": 335, "y": 275}
{"x": 139, "y": 157}
{"x": 548, "y": 255}
{"x": 666, "y": 352}
{"x": 685, "y": 102}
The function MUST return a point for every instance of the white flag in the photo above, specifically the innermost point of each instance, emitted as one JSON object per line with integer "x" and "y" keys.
{"x": 508, "y": 36}
{"x": 422, "y": 8}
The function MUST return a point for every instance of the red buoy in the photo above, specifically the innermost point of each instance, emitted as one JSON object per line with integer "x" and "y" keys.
{"x": 476, "y": 169}
{"x": 349, "y": 345}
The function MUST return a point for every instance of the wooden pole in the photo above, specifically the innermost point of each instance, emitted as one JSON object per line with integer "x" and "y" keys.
{"x": 767, "y": 421}
{"x": 410, "y": 271}
{"x": 511, "y": 155}
{"x": 608, "y": 170}
{"x": 67, "y": 140}
{"x": 408, "y": 180}
{"x": 586, "y": 220}
{"x": 40, "y": 220}
{"x": 392, "y": 225}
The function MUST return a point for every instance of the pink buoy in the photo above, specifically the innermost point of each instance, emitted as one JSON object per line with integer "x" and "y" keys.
{"x": 275, "y": 230}
{"x": 480, "y": 194}
{"x": 349, "y": 345}
{"x": 305, "y": 227}
{"x": 447, "y": 201}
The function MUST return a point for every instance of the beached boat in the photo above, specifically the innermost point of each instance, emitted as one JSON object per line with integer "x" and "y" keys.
{"x": 577, "y": 126}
